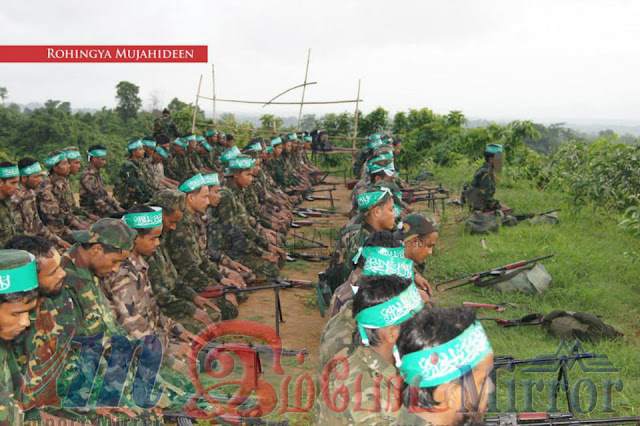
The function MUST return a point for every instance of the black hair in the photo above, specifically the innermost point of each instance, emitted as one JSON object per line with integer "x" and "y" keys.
{"x": 162, "y": 139}
{"x": 20, "y": 296}
{"x": 6, "y": 164}
{"x": 379, "y": 239}
{"x": 166, "y": 111}
{"x": 431, "y": 327}
{"x": 376, "y": 174}
{"x": 38, "y": 246}
{"x": 26, "y": 162}
{"x": 488, "y": 155}
{"x": 135, "y": 209}
{"x": 228, "y": 137}
{"x": 105, "y": 247}
{"x": 96, "y": 146}
{"x": 372, "y": 291}
{"x": 149, "y": 138}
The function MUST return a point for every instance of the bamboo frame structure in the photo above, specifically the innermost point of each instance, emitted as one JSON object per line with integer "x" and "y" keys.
{"x": 355, "y": 120}
{"x": 287, "y": 91}
{"x": 195, "y": 107}
{"x": 304, "y": 89}
{"x": 213, "y": 78}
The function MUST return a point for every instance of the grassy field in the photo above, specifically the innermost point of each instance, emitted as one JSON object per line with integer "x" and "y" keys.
{"x": 595, "y": 270}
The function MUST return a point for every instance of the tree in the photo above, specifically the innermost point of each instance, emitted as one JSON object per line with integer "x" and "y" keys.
{"x": 374, "y": 122}
{"x": 269, "y": 120}
{"x": 176, "y": 104}
{"x": 4, "y": 94}
{"x": 155, "y": 101}
{"x": 128, "y": 100}
{"x": 308, "y": 122}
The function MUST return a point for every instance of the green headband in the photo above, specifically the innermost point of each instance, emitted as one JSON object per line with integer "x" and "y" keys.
{"x": 97, "y": 153}
{"x": 308, "y": 138}
{"x": 22, "y": 278}
{"x": 371, "y": 199}
{"x": 257, "y": 147}
{"x": 242, "y": 163}
{"x": 397, "y": 210}
{"x": 163, "y": 152}
{"x": 269, "y": 149}
{"x": 210, "y": 133}
{"x": 392, "y": 312}
{"x": 381, "y": 157}
{"x": 9, "y": 172}
{"x": 190, "y": 138}
{"x": 144, "y": 220}
{"x": 179, "y": 142}
{"x": 72, "y": 155}
{"x": 276, "y": 141}
{"x": 292, "y": 137}
{"x": 229, "y": 154}
{"x": 149, "y": 144}
{"x": 448, "y": 361}
{"x": 206, "y": 146}
{"x": 388, "y": 170}
{"x": 200, "y": 138}
{"x": 387, "y": 251}
{"x": 374, "y": 144}
{"x": 31, "y": 170}
{"x": 374, "y": 136}
{"x": 53, "y": 160}
{"x": 134, "y": 145}
{"x": 381, "y": 264}
{"x": 493, "y": 148}
{"x": 192, "y": 184}
{"x": 211, "y": 179}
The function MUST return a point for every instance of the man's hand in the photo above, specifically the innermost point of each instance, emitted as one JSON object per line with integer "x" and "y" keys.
{"x": 62, "y": 243}
{"x": 94, "y": 218}
{"x": 203, "y": 302}
{"x": 231, "y": 298}
{"x": 229, "y": 282}
{"x": 423, "y": 283}
{"x": 278, "y": 251}
{"x": 203, "y": 317}
{"x": 270, "y": 257}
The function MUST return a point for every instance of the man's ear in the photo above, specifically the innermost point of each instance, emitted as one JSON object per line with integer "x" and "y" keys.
{"x": 96, "y": 250}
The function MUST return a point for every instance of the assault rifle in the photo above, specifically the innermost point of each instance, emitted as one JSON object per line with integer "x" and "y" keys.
{"x": 531, "y": 319}
{"x": 309, "y": 257}
{"x": 525, "y": 216}
{"x": 487, "y": 278}
{"x": 320, "y": 244}
{"x": 547, "y": 419}
{"x": 279, "y": 283}
{"x": 325, "y": 174}
{"x": 305, "y": 212}
{"x": 299, "y": 223}
{"x": 498, "y": 307}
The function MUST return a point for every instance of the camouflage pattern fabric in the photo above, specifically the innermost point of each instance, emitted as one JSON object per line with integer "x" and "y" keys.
{"x": 344, "y": 292}
{"x": 178, "y": 166}
{"x": 484, "y": 182}
{"x": 25, "y": 209}
{"x": 9, "y": 227}
{"x": 54, "y": 210}
{"x": 71, "y": 200}
{"x": 368, "y": 381}
{"x": 337, "y": 335}
{"x": 341, "y": 265}
{"x": 94, "y": 197}
{"x": 9, "y": 413}
{"x": 165, "y": 126}
{"x": 132, "y": 189}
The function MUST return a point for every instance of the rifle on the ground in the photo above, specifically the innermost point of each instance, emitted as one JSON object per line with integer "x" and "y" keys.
{"x": 279, "y": 283}
{"x": 325, "y": 174}
{"x": 313, "y": 212}
{"x": 432, "y": 199}
{"x": 182, "y": 419}
{"x": 531, "y": 319}
{"x": 499, "y": 307}
{"x": 299, "y": 223}
{"x": 351, "y": 184}
{"x": 487, "y": 278}
{"x": 309, "y": 257}
{"x": 310, "y": 240}
{"x": 560, "y": 361}
{"x": 550, "y": 419}
{"x": 520, "y": 217}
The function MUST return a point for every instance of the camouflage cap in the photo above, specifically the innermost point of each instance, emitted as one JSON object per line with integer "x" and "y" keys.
{"x": 417, "y": 224}
{"x": 111, "y": 232}
{"x": 169, "y": 199}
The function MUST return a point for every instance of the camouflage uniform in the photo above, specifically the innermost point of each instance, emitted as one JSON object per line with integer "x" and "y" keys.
{"x": 279, "y": 172}
{"x": 165, "y": 126}
{"x": 337, "y": 335}
{"x": 94, "y": 197}
{"x": 25, "y": 210}
{"x": 254, "y": 207}
{"x": 368, "y": 382}
{"x": 9, "y": 413}
{"x": 484, "y": 181}
{"x": 132, "y": 188}
{"x": 230, "y": 231}
{"x": 344, "y": 293}
{"x": 351, "y": 239}
{"x": 363, "y": 155}
{"x": 9, "y": 226}
{"x": 179, "y": 166}
{"x": 54, "y": 209}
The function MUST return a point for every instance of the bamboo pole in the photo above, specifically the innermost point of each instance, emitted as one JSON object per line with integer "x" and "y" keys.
{"x": 195, "y": 107}
{"x": 355, "y": 124}
{"x": 213, "y": 77}
{"x": 346, "y": 101}
{"x": 304, "y": 89}
{"x": 349, "y": 137}
{"x": 288, "y": 90}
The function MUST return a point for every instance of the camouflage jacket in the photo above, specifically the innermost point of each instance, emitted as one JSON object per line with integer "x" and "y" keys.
{"x": 9, "y": 227}
{"x": 344, "y": 293}
{"x": 254, "y": 207}
{"x": 96, "y": 314}
{"x": 71, "y": 199}
{"x": 178, "y": 166}
{"x": 337, "y": 335}
{"x": 352, "y": 237}
{"x": 155, "y": 173}
{"x": 373, "y": 382}
{"x": 25, "y": 210}
{"x": 192, "y": 263}
{"x": 360, "y": 161}
{"x": 53, "y": 207}
{"x": 9, "y": 413}
{"x": 132, "y": 189}
{"x": 279, "y": 172}
{"x": 196, "y": 159}
{"x": 232, "y": 230}
{"x": 484, "y": 181}
{"x": 166, "y": 127}
{"x": 94, "y": 197}
{"x": 173, "y": 296}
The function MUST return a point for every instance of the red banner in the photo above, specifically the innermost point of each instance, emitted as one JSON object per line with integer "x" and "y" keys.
{"x": 52, "y": 54}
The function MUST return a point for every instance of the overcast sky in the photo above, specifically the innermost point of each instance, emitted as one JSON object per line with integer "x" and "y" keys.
{"x": 547, "y": 60}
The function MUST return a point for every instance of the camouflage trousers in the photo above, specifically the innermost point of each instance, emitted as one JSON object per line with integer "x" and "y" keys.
{"x": 260, "y": 267}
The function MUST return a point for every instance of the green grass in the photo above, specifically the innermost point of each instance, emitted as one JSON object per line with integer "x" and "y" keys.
{"x": 595, "y": 270}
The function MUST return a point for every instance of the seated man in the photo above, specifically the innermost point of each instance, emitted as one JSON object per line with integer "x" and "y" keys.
{"x": 434, "y": 391}
{"x": 18, "y": 296}
{"x": 419, "y": 234}
{"x": 94, "y": 197}
{"x": 483, "y": 185}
